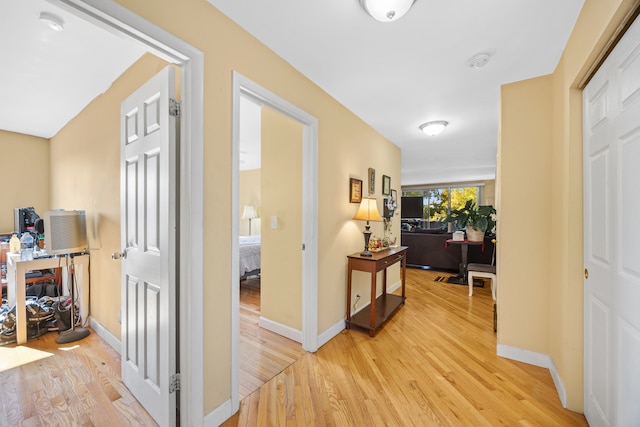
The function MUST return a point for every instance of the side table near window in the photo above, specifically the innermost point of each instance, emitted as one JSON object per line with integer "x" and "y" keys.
{"x": 383, "y": 307}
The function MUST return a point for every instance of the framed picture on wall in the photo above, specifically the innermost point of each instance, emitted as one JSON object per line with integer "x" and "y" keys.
{"x": 372, "y": 181}
{"x": 355, "y": 190}
{"x": 386, "y": 185}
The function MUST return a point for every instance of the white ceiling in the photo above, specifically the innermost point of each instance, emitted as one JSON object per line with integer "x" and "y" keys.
{"x": 394, "y": 76}
{"x": 48, "y": 77}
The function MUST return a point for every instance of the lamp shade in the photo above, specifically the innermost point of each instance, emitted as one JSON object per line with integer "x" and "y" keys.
{"x": 368, "y": 210}
{"x": 386, "y": 10}
{"x": 249, "y": 212}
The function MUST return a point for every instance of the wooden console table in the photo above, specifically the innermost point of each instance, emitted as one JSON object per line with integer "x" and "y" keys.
{"x": 383, "y": 307}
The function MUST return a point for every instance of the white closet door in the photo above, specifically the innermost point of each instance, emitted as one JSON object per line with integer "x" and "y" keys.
{"x": 611, "y": 127}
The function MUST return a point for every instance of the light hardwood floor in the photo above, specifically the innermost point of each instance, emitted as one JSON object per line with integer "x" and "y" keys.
{"x": 77, "y": 384}
{"x": 263, "y": 354}
{"x": 433, "y": 363}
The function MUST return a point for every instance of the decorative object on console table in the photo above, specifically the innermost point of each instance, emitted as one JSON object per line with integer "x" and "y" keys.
{"x": 390, "y": 206}
{"x": 368, "y": 211}
{"x": 249, "y": 213}
{"x": 355, "y": 190}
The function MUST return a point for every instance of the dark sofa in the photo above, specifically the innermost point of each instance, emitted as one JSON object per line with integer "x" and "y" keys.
{"x": 426, "y": 248}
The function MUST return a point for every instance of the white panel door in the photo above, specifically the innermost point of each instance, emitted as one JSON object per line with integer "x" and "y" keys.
{"x": 611, "y": 130}
{"x": 148, "y": 238}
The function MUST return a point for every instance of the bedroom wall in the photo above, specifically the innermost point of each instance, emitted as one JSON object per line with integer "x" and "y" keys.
{"x": 250, "y": 195}
{"x": 25, "y": 173}
{"x": 281, "y": 278}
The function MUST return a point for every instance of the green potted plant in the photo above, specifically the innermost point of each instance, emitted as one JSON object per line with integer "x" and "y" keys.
{"x": 476, "y": 219}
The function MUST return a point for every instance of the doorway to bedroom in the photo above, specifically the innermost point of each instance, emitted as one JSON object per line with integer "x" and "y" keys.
{"x": 269, "y": 256}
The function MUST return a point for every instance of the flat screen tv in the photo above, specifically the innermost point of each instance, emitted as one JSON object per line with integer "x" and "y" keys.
{"x": 65, "y": 232}
{"x": 411, "y": 207}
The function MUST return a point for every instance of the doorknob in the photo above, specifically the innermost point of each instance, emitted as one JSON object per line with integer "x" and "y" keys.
{"x": 118, "y": 255}
{"x": 586, "y": 273}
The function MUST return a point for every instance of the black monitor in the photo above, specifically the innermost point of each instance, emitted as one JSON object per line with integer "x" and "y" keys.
{"x": 24, "y": 219}
{"x": 412, "y": 207}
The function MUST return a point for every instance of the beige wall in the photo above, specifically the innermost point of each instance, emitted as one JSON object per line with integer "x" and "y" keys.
{"x": 489, "y": 193}
{"x": 347, "y": 147}
{"x": 523, "y": 263}
{"x": 25, "y": 175}
{"x": 85, "y": 174}
{"x": 250, "y": 195}
{"x": 552, "y": 323}
{"x": 281, "y": 278}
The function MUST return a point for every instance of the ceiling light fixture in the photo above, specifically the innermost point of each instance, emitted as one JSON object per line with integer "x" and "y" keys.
{"x": 433, "y": 128}
{"x": 52, "y": 21}
{"x": 386, "y": 10}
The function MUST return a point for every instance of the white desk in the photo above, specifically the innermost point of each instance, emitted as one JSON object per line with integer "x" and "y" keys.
{"x": 16, "y": 287}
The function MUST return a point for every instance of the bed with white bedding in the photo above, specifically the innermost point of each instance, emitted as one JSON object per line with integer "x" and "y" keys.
{"x": 249, "y": 256}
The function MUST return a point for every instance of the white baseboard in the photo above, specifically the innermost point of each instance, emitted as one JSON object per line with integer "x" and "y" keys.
{"x": 338, "y": 327}
{"x": 536, "y": 359}
{"x": 219, "y": 415}
{"x": 395, "y": 286}
{"x": 280, "y": 329}
{"x": 334, "y": 330}
{"x": 104, "y": 333}
{"x": 526, "y": 356}
{"x": 562, "y": 392}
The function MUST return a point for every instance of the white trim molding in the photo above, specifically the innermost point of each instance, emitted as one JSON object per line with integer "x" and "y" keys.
{"x": 536, "y": 359}
{"x": 104, "y": 333}
{"x": 334, "y": 330}
{"x": 242, "y": 86}
{"x": 119, "y": 20}
{"x": 280, "y": 329}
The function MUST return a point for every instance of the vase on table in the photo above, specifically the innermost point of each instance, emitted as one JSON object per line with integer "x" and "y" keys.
{"x": 474, "y": 235}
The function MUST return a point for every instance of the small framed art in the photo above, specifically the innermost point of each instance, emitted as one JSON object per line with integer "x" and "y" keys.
{"x": 372, "y": 181}
{"x": 386, "y": 185}
{"x": 355, "y": 190}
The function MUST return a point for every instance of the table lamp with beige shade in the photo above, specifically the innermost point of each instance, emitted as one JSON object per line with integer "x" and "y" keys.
{"x": 368, "y": 211}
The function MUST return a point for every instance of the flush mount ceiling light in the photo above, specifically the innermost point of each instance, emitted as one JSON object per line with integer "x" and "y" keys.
{"x": 479, "y": 60}
{"x": 386, "y": 10}
{"x": 52, "y": 21}
{"x": 433, "y": 128}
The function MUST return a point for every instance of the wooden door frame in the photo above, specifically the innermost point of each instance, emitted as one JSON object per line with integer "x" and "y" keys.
{"x": 242, "y": 86}
{"x": 117, "y": 19}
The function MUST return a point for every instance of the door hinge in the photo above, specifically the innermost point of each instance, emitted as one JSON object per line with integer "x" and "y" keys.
{"x": 175, "y": 108}
{"x": 174, "y": 383}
